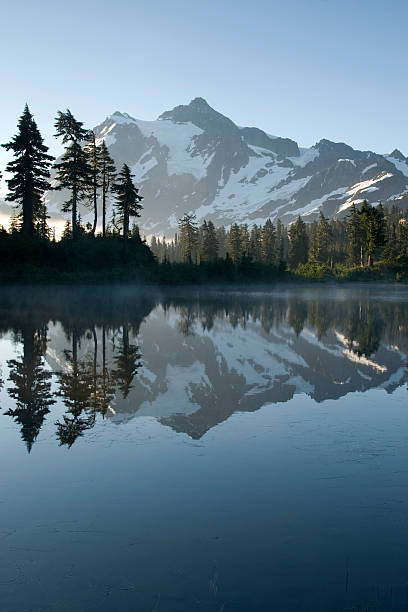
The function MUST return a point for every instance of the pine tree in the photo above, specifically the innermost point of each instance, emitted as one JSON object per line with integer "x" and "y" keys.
{"x": 222, "y": 241}
{"x": 210, "y": 241}
{"x": 255, "y": 248}
{"x": 93, "y": 153}
{"x": 42, "y": 228}
{"x": 188, "y": 236}
{"x": 245, "y": 241}
{"x": 298, "y": 252}
{"x": 321, "y": 241}
{"x": 234, "y": 243}
{"x": 108, "y": 176}
{"x": 73, "y": 171}
{"x": 30, "y": 171}
{"x": 354, "y": 233}
{"x": 127, "y": 201}
{"x": 373, "y": 224}
{"x": 268, "y": 239}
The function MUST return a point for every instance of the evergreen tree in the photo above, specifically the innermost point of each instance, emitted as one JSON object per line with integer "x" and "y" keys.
{"x": 280, "y": 243}
{"x": 93, "y": 153}
{"x": 210, "y": 241}
{"x": 30, "y": 171}
{"x": 127, "y": 201}
{"x": 298, "y": 252}
{"x": 234, "y": 243}
{"x": 322, "y": 242}
{"x": 255, "y": 248}
{"x": 188, "y": 236}
{"x": 373, "y": 224}
{"x": 108, "y": 176}
{"x": 42, "y": 228}
{"x": 222, "y": 241}
{"x": 73, "y": 171}
{"x": 354, "y": 233}
{"x": 268, "y": 238}
{"x": 245, "y": 241}
{"x": 402, "y": 237}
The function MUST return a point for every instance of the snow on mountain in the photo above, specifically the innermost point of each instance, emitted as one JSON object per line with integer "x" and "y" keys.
{"x": 194, "y": 159}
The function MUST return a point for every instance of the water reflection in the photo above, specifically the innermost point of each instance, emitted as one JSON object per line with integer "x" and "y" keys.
{"x": 191, "y": 360}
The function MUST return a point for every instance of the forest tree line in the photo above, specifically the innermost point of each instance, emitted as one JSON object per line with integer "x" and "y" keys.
{"x": 366, "y": 234}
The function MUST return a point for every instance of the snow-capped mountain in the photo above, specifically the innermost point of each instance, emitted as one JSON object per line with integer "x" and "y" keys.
{"x": 194, "y": 159}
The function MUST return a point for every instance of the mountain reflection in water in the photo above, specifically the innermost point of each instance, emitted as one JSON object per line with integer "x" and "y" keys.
{"x": 191, "y": 359}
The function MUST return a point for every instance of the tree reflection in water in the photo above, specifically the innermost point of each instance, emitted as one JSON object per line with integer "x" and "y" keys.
{"x": 103, "y": 357}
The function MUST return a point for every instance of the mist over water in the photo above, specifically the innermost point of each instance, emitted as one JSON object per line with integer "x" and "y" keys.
{"x": 203, "y": 449}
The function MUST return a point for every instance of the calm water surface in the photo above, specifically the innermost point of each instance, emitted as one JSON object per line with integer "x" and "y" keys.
{"x": 204, "y": 451}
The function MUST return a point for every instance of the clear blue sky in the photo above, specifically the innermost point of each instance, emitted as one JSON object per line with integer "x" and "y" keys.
{"x": 304, "y": 69}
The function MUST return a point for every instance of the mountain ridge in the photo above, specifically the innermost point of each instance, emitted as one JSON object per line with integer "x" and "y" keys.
{"x": 194, "y": 159}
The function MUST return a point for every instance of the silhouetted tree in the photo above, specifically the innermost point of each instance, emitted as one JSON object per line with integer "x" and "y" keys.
{"x": 93, "y": 154}
{"x": 188, "y": 236}
{"x": 298, "y": 252}
{"x": 127, "y": 201}
{"x": 108, "y": 175}
{"x": 210, "y": 241}
{"x": 73, "y": 171}
{"x": 30, "y": 172}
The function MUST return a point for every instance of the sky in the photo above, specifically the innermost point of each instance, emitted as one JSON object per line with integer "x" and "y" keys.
{"x": 305, "y": 69}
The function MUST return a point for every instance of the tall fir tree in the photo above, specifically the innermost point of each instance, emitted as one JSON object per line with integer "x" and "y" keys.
{"x": 108, "y": 176}
{"x": 210, "y": 242}
{"x": 373, "y": 225}
{"x": 255, "y": 246}
{"x": 280, "y": 243}
{"x": 93, "y": 153}
{"x": 127, "y": 202}
{"x": 298, "y": 252}
{"x": 73, "y": 171}
{"x": 320, "y": 249}
{"x": 30, "y": 170}
{"x": 234, "y": 243}
{"x": 188, "y": 237}
{"x": 245, "y": 241}
{"x": 354, "y": 233}
{"x": 268, "y": 238}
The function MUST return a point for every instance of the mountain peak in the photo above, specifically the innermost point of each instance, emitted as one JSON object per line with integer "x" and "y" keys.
{"x": 200, "y": 103}
{"x": 396, "y": 154}
{"x": 194, "y": 112}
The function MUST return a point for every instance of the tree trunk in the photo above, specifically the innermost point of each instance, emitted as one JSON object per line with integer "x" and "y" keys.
{"x": 104, "y": 208}
{"x": 74, "y": 212}
{"x": 125, "y": 234}
{"x": 28, "y": 224}
{"x": 95, "y": 203}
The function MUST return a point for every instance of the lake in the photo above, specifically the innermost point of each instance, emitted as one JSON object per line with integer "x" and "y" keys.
{"x": 223, "y": 451}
